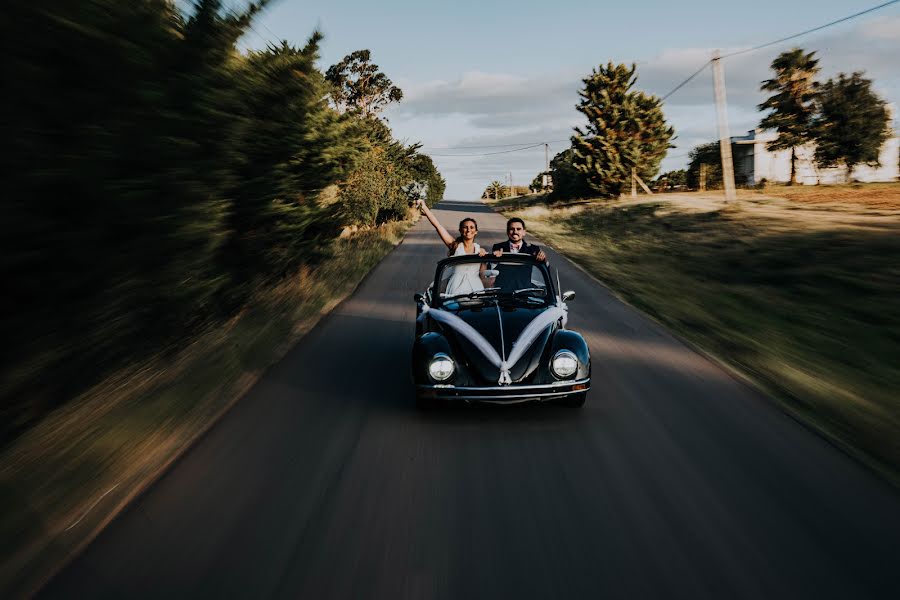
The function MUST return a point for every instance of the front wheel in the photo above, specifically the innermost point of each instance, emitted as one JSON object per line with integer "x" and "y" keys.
{"x": 574, "y": 400}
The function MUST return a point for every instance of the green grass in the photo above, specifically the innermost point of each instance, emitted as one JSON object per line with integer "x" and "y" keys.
{"x": 125, "y": 431}
{"x": 810, "y": 313}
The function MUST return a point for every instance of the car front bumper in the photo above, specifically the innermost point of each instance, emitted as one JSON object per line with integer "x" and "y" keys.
{"x": 504, "y": 394}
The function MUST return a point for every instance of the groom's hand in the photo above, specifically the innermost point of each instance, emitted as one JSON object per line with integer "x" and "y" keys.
{"x": 541, "y": 256}
{"x": 498, "y": 253}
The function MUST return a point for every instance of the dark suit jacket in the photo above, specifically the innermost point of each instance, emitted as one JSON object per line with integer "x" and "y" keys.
{"x": 526, "y": 248}
{"x": 515, "y": 277}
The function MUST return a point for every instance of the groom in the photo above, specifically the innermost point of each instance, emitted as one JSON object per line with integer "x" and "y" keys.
{"x": 516, "y": 244}
{"x": 516, "y": 277}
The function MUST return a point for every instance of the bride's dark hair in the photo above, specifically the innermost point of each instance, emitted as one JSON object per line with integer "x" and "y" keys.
{"x": 459, "y": 238}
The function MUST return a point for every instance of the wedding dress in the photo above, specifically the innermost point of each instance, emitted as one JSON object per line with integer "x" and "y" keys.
{"x": 464, "y": 279}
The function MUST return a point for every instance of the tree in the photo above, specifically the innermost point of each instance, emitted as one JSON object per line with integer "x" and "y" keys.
{"x": 672, "y": 179}
{"x": 568, "y": 182}
{"x": 537, "y": 184}
{"x": 792, "y": 106}
{"x": 294, "y": 145}
{"x": 709, "y": 155}
{"x": 495, "y": 190}
{"x": 626, "y": 129}
{"x": 358, "y": 85}
{"x": 852, "y": 123}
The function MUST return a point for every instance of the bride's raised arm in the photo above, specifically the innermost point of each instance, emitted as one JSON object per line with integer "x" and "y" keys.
{"x": 442, "y": 232}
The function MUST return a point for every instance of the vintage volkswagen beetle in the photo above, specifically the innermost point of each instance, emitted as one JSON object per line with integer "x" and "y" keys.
{"x": 501, "y": 339}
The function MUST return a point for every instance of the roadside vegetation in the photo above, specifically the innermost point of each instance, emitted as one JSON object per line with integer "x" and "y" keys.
{"x": 176, "y": 212}
{"x": 799, "y": 295}
{"x": 64, "y": 478}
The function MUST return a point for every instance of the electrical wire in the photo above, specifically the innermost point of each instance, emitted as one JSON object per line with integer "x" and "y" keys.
{"x": 814, "y": 29}
{"x": 492, "y": 153}
{"x": 686, "y": 81}
{"x": 778, "y": 41}
{"x": 490, "y": 145}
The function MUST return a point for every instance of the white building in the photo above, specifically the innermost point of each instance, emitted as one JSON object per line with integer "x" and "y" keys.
{"x": 753, "y": 162}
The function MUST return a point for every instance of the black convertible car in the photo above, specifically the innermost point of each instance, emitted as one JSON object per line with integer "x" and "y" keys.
{"x": 492, "y": 329}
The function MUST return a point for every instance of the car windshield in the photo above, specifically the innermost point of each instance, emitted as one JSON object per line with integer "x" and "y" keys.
{"x": 493, "y": 278}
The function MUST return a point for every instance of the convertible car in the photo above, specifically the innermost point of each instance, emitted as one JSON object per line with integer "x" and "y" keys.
{"x": 493, "y": 329}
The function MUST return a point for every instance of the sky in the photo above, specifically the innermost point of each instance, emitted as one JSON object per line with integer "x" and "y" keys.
{"x": 479, "y": 73}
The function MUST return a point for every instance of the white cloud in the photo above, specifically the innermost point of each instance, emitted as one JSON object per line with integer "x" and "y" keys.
{"x": 887, "y": 28}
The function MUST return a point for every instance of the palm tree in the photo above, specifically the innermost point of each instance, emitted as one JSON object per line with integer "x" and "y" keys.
{"x": 792, "y": 105}
{"x": 496, "y": 189}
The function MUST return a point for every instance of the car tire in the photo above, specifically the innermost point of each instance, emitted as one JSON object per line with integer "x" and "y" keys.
{"x": 574, "y": 400}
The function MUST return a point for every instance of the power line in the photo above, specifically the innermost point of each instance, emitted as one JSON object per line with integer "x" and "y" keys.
{"x": 778, "y": 41}
{"x": 490, "y": 145}
{"x": 686, "y": 81}
{"x": 493, "y": 153}
{"x": 673, "y": 90}
{"x": 814, "y": 29}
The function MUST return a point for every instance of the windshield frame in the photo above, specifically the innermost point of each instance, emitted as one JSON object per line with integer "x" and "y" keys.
{"x": 524, "y": 259}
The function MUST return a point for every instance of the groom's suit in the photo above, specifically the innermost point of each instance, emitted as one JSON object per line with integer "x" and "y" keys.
{"x": 526, "y": 248}
{"x": 515, "y": 277}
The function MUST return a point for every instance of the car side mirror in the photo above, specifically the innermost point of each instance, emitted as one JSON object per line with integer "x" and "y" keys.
{"x": 568, "y": 296}
{"x": 418, "y": 298}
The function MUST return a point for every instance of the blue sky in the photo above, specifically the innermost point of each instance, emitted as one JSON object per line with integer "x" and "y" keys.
{"x": 501, "y": 72}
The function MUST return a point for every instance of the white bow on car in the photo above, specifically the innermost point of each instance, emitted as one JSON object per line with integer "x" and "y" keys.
{"x": 524, "y": 341}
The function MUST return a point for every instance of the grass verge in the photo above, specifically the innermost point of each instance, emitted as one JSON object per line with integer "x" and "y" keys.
{"x": 803, "y": 305}
{"x": 64, "y": 480}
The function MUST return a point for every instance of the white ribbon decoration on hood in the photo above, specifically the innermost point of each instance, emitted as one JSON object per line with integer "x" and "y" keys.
{"x": 522, "y": 343}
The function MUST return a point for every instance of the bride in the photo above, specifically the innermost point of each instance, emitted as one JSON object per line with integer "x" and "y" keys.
{"x": 465, "y": 278}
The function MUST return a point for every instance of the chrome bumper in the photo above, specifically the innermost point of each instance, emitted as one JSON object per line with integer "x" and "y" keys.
{"x": 504, "y": 393}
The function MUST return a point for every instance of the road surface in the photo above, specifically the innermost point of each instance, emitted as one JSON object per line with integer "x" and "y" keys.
{"x": 673, "y": 481}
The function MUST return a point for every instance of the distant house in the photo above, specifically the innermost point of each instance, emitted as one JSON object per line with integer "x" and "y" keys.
{"x": 753, "y": 162}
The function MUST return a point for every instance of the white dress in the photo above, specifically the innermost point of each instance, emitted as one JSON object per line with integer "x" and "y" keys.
{"x": 465, "y": 279}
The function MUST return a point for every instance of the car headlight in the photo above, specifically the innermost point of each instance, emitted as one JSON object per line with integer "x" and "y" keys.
{"x": 441, "y": 367}
{"x": 564, "y": 364}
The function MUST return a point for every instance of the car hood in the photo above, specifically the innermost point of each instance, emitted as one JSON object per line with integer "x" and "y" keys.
{"x": 487, "y": 322}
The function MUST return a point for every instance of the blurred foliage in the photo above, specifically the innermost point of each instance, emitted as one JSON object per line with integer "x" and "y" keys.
{"x": 806, "y": 308}
{"x": 155, "y": 177}
{"x": 671, "y": 179}
{"x": 388, "y": 177}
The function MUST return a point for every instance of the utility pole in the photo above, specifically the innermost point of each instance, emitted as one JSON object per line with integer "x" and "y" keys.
{"x": 724, "y": 136}
{"x": 546, "y": 158}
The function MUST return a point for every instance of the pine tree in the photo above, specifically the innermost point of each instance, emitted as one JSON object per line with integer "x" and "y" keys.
{"x": 852, "y": 123}
{"x": 793, "y": 105}
{"x": 626, "y": 129}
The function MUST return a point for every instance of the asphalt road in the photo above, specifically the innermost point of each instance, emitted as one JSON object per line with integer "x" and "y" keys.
{"x": 673, "y": 481}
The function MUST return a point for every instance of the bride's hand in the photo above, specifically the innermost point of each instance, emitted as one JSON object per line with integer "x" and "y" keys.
{"x": 419, "y": 203}
{"x": 482, "y": 252}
